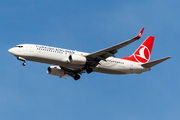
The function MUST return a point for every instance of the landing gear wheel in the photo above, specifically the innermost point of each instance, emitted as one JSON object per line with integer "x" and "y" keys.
{"x": 77, "y": 77}
{"x": 24, "y": 64}
{"x": 89, "y": 70}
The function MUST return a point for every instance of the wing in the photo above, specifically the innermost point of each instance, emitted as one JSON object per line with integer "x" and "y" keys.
{"x": 105, "y": 53}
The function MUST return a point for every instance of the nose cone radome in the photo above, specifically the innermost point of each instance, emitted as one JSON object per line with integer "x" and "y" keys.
{"x": 11, "y": 50}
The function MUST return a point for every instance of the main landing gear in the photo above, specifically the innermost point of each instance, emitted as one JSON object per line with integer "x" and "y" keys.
{"x": 89, "y": 70}
{"x": 87, "y": 67}
{"x": 77, "y": 77}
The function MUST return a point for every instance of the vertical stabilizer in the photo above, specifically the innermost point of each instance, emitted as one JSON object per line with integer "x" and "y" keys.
{"x": 143, "y": 53}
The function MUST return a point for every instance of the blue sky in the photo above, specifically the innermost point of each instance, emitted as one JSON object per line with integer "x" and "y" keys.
{"x": 30, "y": 93}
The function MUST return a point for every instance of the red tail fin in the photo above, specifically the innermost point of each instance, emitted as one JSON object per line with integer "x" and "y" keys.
{"x": 143, "y": 53}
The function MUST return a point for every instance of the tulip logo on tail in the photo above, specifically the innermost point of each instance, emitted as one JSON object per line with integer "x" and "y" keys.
{"x": 142, "y": 55}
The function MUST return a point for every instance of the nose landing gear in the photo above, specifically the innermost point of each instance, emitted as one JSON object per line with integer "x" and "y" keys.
{"x": 22, "y": 59}
{"x": 24, "y": 63}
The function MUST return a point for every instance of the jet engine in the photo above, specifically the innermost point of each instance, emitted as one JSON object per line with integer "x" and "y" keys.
{"x": 55, "y": 70}
{"x": 77, "y": 59}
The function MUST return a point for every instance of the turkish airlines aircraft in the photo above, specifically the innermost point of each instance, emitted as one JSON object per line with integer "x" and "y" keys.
{"x": 73, "y": 63}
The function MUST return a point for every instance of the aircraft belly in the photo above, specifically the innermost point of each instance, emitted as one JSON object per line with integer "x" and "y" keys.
{"x": 108, "y": 71}
{"x": 110, "y": 68}
{"x": 53, "y": 60}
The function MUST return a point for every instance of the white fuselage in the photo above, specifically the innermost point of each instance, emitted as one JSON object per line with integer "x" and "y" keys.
{"x": 59, "y": 57}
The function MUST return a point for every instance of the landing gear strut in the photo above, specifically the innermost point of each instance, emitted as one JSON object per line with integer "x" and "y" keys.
{"x": 22, "y": 59}
{"x": 87, "y": 67}
{"x": 77, "y": 77}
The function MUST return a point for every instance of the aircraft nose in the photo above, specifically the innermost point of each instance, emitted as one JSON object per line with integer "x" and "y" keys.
{"x": 11, "y": 51}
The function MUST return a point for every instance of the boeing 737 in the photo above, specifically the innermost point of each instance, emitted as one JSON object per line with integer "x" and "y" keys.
{"x": 73, "y": 63}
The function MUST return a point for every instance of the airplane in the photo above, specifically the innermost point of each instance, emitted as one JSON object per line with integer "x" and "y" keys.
{"x": 73, "y": 63}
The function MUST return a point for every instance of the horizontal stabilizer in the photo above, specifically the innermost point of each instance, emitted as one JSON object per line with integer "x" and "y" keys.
{"x": 153, "y": 63}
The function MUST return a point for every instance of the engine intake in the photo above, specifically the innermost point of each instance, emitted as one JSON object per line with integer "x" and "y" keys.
{"x": 77, "y": 59}
{"x": 55, "y": 70}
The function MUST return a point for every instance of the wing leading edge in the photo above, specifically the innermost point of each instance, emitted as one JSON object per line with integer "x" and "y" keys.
{"x": 110, "y": 51}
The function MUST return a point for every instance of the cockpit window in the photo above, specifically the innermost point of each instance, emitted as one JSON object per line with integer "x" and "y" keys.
{"x": 19, "y": 46}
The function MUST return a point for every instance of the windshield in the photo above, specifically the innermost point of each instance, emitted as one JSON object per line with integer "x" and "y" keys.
{"x": 19, "y": 46}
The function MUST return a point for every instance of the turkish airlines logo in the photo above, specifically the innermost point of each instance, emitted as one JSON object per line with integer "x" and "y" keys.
{"x": 142, "y": 55}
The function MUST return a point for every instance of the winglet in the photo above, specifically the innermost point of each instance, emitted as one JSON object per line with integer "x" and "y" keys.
{"x": 139, "y": 34}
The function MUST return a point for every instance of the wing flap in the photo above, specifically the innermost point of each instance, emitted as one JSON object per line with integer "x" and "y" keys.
{"x": 155, "y": 62}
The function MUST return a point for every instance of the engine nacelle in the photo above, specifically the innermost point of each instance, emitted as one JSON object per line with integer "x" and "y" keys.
{"x": 77, "y": 59}
{"x": 55, "y": 70}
